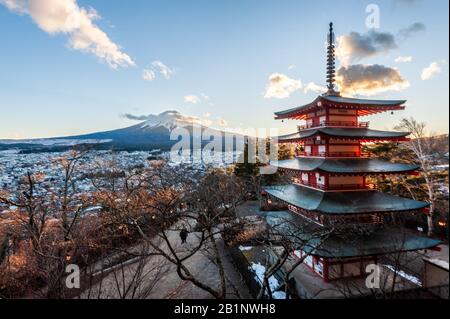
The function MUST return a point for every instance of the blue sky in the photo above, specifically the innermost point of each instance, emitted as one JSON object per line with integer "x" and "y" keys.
{"x": 225, "y": 50}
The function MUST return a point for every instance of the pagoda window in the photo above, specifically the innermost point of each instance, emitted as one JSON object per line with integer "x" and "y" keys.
{"x": 322, "y": 149}
{"x": 305, "y": 177}
{"x": 320, "y": 179}
{"x": 322, "y": 120}
{"x": 318, "y": 266}
{"x": 307, "y": 149}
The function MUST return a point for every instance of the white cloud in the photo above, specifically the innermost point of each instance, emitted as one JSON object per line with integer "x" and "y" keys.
{"x": 316, "y": 88}
{"x": 403, "y": 59}
{"x": 163, "y": 69}
{"x": 431, "y": 70}
{"x": 361, "y": 79}
{"x": 194, "y": 99}
{"x": 66, "y": 17}
{"x": 148, "y": 75}
{"x": 280, "y": 86}
{"x": 292, "y": 67}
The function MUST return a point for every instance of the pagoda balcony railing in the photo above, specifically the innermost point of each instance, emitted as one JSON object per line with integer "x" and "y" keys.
{"x": 336, "y": 187}
{"x": 335, "y": 123}
{"x": 335, "y": 154}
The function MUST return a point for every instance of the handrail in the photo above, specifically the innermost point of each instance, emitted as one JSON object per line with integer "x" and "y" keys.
{"x": 335, "y": 154}
{"x": 335, "y": 123}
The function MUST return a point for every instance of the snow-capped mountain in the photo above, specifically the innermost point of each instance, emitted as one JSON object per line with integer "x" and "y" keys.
{"x": 171, "y": 120}
{"x": 152, "y": 132}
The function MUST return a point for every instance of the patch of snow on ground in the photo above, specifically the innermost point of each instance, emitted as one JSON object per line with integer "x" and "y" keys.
{"x": 259, "y": 271}
{"x": 279, "y": 295}
{"x": 403, "y": 274}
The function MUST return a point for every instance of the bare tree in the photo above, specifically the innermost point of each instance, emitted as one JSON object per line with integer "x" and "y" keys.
{"x": 159, "y": 202}
{"x": 421, "y": 146}
{"x": 283, "y": 239}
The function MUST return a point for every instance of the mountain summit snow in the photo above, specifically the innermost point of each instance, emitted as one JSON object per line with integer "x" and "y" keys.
{"x": 171, "y": 120}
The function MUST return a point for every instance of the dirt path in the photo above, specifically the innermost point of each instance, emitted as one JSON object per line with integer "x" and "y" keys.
{"x": 156, "y": 278}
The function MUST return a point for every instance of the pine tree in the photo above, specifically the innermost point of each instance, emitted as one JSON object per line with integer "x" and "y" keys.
{"x": 247, "y": 168}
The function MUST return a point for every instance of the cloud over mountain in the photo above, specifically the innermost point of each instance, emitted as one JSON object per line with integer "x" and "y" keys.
{"x": 163, "y": 69}
{"x": 77, "y": 23}
{"x": 169, "y": 119}
{"x": 361, "y": 79}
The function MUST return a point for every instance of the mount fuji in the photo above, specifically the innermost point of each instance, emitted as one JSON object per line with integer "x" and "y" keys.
{"x": 153, "y": 132}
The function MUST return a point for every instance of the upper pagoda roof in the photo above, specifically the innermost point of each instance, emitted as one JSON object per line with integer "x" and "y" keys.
{"x": 379, "y": 242}
{"x": 364, "y": 106}
{"x": 344, "y": 165}
{"x": 354, "y": 133}
{"x": 342, "y": 203}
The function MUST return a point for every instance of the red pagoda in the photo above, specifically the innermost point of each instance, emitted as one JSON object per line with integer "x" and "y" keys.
{"x": 329, "y": 182}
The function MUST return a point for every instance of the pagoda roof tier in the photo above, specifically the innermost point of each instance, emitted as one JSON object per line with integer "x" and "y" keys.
{"x": 349, "y": 245}
{"x": 344, "y": 165}
{"x": 344, "y": 133}
{"x": 342, "y": 203}
{"x": 363, "y": 106}
{"x": 387, "y": 241}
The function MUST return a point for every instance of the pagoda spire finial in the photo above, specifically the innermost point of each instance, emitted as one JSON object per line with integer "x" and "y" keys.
{"x": 331, "y": 61}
